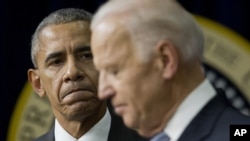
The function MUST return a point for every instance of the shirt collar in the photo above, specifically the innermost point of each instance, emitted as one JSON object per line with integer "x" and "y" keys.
{"x": 189, "y": 108}
{"x": 99, "y": 132}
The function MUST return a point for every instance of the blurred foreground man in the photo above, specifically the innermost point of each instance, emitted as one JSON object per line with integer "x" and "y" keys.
{"x": 149, "y": 54}
{"x": 64, "y": 72}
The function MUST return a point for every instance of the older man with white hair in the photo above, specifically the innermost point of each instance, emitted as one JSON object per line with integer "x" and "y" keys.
{"x": 149, "y": 55}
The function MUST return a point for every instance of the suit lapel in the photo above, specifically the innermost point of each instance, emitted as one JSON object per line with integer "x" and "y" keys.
{"x": 50, "y": 135}
{"x": 202, "y": 124}
{"x": 118, "y": 132}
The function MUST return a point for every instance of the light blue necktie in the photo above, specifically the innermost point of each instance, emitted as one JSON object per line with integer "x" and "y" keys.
{"x": 160, "y": 137}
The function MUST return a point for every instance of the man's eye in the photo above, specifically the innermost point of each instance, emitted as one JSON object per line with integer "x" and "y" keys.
{"x": 56, "y": 62}
{"x": 86, "y": 56}
{"x": 114, "y": 71}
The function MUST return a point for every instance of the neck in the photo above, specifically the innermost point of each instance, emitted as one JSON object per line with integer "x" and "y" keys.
{"x": 184, "y": 82}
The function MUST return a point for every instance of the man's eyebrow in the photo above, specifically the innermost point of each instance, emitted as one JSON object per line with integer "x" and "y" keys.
{"x": 82, "y": 49}
{"x": 59, "y": 53}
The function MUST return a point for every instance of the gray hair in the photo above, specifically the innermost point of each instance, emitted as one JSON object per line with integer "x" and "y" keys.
{"x": 149, "y": 21}
{"x": 61, "y": 16}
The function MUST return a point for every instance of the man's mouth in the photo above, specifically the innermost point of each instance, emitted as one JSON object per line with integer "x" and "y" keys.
{"x": 78, "y": 95}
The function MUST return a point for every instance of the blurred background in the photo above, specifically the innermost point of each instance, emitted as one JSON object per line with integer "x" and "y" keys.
{"x": 20, "y": 18}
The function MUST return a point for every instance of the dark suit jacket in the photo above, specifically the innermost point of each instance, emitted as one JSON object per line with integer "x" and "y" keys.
{"x": 118, "y": 131}
{"x": 214, "y": 120}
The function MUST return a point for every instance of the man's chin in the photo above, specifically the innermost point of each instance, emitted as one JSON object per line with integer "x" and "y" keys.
{"x": 142, "y": 130}
{"x": 80, "y": 105}
{"x": 82, "y": 108}
{"x": 130, "y": 122}
{"x": 144, "y": 133}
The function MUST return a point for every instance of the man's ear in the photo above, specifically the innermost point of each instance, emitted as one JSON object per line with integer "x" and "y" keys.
{"x": 169, "y": 58}
{"x": 35, "y": 81}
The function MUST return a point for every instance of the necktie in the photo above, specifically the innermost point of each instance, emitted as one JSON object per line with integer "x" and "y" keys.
{"x": 160, "y": 137}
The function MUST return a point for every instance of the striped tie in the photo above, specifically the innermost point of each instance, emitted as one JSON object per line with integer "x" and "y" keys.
{"x": 160, "y": 137}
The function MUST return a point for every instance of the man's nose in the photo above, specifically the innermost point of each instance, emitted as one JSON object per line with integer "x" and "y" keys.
{"x": 73, "y": 71}
{"x": 105, "y": 87}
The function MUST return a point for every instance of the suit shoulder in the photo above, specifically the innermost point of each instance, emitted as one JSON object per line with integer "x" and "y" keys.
{"x": 119, "y": 131}
{"x": 41, "y": 138}
{"x": 49, "y": 136}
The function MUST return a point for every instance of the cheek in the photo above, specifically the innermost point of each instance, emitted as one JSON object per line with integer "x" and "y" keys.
{"x": 53, "y": 78}
{"x": 129, "y": 90}
{"x": 52, "y": 92}
{"x": 130, "y": 84}
{"x": 52, "y": 82}
{"x": 140, "y": 89}
{"x": 93, "y": 76}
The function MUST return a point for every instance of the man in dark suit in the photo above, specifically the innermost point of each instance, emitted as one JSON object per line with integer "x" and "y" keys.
{"x": 149, "y": 55}
{"x": 64, "y": 72}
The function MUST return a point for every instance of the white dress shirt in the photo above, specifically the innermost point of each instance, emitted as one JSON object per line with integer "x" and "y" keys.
{"x": 188, "y": 109}
{"x": 99, "y": 132}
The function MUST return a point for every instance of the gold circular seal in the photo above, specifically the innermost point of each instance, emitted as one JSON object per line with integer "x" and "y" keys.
{"x": 225, "y": 51}
{"x": 32, "y": 116}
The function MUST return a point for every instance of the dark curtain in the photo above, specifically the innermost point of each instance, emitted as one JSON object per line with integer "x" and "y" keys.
{"x": 20, "y": 18}
{"x": 230, "y": 13}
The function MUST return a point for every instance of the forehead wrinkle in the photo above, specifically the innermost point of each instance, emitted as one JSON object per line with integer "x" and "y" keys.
{"x": 54, "y": 35}
{"x": 52, "y": 32}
